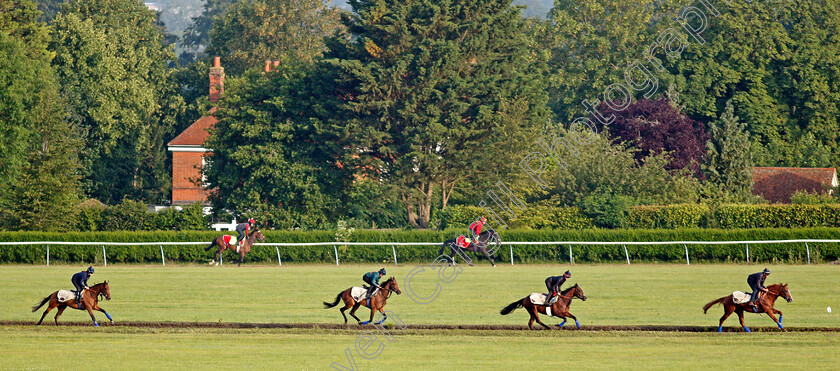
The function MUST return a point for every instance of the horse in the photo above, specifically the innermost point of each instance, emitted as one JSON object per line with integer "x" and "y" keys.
{"x": 479, "y": 245}
{"x": 244, "y": 249}
{"x": 560, "y": 308}
{"x": 376, "y": 303}
{"x": 90, "y": 299}
{"x": 764, "y": 304}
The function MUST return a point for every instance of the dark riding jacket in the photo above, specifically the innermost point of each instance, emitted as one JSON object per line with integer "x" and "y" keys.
{"x": 756, "y": 281}
{"x": 242, "y": 229}
{"x": 80, "y": 280}
{"x": 553, "y": 283}
{"x": 372, "y": 278}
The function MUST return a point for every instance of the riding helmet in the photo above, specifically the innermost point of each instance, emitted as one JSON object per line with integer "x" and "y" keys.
{"x": 90, "y": 270}
{"x": 568, "y": 274}
{"x": 382, "y": 271}
{"x": 252, "y": 221}
{"x": 766, "y": 271}
{"x": 483, "y": 219}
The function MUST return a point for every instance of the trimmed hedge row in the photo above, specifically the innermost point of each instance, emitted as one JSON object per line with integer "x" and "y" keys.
{"x": 790, "y": 253}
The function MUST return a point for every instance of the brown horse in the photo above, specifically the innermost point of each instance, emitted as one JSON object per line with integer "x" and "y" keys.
{"x": 764, "y": 303}
{"x": 244, "y": 249}
{"x": 376, "y": 303}
{"x": 560, "y": 308}
{"x": 90, "y": 301}
{"x": 487, "y": 243}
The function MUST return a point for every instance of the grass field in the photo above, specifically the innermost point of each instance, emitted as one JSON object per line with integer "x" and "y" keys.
{"x": 617, "y": 295}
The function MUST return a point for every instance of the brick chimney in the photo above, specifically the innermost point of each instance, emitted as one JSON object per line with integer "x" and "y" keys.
{"x": 217, "y": 80}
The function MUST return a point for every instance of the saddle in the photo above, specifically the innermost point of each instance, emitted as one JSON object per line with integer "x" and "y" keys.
{"x": 65, "y": 295}
{"x": 359, "y": 293}
{"x": 539, "y": 299}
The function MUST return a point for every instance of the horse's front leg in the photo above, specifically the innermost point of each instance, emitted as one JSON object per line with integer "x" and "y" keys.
{"x": 574, "y": 318}
{"x": 106, "y": 314}
{"x": 241, "y": 258}
{"x": 486, "y": 255}
{"x": 773, "y": 317}
{"x": 384, "y": 316}
{"x": 92, "y": 318}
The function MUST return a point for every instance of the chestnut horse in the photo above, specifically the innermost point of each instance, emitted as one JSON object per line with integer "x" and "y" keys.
{"x": 244, "y": 249}
{"x": 764, "y": 303}
{"x": 376, "y": 303}
{"x": 90, "y": 299}
{"x": 479, "y": 245}
{"x": 560, "y": 308}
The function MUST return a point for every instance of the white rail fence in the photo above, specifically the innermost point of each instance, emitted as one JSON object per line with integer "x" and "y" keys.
{"x": 511, "y": 244}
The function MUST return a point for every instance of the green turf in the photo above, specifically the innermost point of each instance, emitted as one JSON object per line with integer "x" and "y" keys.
{"x": 121, "y": 348}
{"x": 617, "y": 294}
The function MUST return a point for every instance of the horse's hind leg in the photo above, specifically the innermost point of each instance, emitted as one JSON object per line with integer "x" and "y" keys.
{"x": 59, "y": 312}
{"x": 353, "y": 311}
{"x": 49, "y": 308}
{"x": 727, "y": 311}
{"x": 346, "y": 306}
{"x": 740, "y": 313}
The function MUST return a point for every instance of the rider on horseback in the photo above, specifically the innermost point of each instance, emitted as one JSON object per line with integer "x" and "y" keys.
{"x": 242, "y": 230}
{"x": 463, "y": 242}
{"x": 756, "y": 282}
{"x": 553, "y": 284}
{"x": 477, "y": 225}
{"x": 80, "y": 281}
{"x": 372, "y": 279}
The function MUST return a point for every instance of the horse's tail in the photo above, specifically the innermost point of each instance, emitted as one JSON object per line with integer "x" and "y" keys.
{"x": 41, "y": 304}
{"x": 511, "y": 307}
{"x": 713, "y": 302}
{"x": 443, "y": 247}
{"x": 337, "y": 299}
{"x": 212, "y": 243}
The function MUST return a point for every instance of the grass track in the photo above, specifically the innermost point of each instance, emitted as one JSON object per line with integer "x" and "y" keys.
{"x": 618, "y": 295}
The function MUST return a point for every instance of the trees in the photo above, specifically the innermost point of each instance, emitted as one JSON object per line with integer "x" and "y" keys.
{"x": 252, "y": 31}
{"x": 38, "y": 148}
{"x": 657, "y": 126}
{"x": 729, "y": 163}
{"x": 112, "y": 66}
{"x": 429, "y": 94}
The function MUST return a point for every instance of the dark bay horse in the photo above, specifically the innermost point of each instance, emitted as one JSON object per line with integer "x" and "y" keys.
{"x": 246, "y": 246}
{"x": 376, "y": 303}
{"x": 764, "y": 304}
{"x": 560, "y": 308}
{"x": 488, "y": 238}
{"x": 90, "y": 301}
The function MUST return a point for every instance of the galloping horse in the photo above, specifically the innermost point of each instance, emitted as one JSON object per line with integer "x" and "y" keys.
{"x": 560, "y": 308}
{"x": 480, "y": 245}
{"x": 246, "y": 246}
{"x": 376, "y": 303}
{"x": 764, "y": 303}
{"x": 90, "y": 299}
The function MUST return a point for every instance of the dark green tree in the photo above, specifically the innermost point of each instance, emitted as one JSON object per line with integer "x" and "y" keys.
{"x": 729, "y": 160}
{"x": 39, "y": 177}
{"x": 112, "y": 67}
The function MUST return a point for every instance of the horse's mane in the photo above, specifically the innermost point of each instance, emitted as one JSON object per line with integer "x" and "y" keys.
{"x": 567, "y": 290}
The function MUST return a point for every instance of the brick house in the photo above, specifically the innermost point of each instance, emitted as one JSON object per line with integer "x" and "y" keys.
{"x": 778, "y": 184}
{"x": 188, "y": 151}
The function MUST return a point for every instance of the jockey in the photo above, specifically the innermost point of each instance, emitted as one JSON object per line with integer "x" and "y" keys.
{"x": 756, "y": 282}
{"x": 463, "y": 242}
{"x": 553, "y": 284}
{"x": 80, "y": 281}
{"x": 242, "y": 230}
{"x": 372, "y": 279}
{"x": 477, "y": 225}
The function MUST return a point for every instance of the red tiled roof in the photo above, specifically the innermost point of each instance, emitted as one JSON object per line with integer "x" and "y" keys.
{"x": 777, "y": 184}
{"x": 197, "y": 133}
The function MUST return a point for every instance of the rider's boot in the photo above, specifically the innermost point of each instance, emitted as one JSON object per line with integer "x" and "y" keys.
{"x": 79, "y": 300}
{"x": 754, "y": 307}
{"x": 548, "y": 301}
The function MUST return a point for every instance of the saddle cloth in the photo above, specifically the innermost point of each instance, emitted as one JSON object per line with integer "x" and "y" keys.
{"x": 358, "y": 293}
{"x": 65, "y": 295}
{"x": 539, "y": 299}
{"x": 230, "y": 240}
{"x": 741, "y": 297}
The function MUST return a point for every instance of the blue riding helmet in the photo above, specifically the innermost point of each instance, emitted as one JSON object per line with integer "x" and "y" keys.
{"x": 382, "y": 271}
{"x": 766, "y": 271}
{"x": 568, "y": 274}
{"x": 90, "y": 270}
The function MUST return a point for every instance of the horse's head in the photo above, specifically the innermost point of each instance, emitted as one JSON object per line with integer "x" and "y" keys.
{"x": 785, "y": 292}
{"x": 258, "y": 235}
{"x": 391, "y": 285}
{"x": 578, "y": 293}
{"x": 103, "y": 289}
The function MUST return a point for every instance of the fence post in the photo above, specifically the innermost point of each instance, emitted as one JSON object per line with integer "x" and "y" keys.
{"x": 394, "y": 249}
{"x": 163, "y": 259}
{"x": 511, "y": 254}
{"x": 48, "y": 255}
{"x": 336, "y": 255}
{"x": 808, "y": 250}
{"x": 104, "y": 257}
{"x": 686, "y": 255}
{"x": 571, "y": 258}
{"x": 626, "y": 254}
{"x": 748, "y": 252}
{"x": 279, "y": 262}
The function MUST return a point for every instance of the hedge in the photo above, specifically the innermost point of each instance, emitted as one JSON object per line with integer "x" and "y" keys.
{"x": 789, "y": 253}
